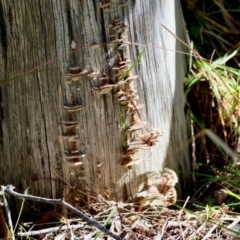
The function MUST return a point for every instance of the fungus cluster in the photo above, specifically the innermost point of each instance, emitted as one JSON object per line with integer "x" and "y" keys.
{"x": 161, "y": 192}
{"x": 106, "y": 5}
{"x": 122, "y": 79}
{"x": 73, "y": 157}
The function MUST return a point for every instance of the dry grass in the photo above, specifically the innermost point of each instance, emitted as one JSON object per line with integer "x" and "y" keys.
{"x": 153, "y": 223}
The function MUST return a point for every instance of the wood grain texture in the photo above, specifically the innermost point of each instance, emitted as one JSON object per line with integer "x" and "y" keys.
{"x": 39, "y": 34}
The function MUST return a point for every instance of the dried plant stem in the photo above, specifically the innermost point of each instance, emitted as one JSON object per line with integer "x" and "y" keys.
{"x": 9, "y": 189}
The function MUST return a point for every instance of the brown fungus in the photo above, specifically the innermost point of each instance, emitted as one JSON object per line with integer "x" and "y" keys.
{"x": 93, "y": 73}
{"x": 123, "y": 3}
{"x": 76, "y": 73}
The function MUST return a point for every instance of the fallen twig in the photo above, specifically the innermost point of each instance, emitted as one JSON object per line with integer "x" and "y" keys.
{"x": 179, "y": 217}
{"x": 9, "y": 189}
{"x": 8, "y": 213}
{"x": 48, "y": 230}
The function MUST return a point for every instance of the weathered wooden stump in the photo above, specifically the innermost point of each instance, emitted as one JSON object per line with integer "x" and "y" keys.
{"x": 40, "y": 41}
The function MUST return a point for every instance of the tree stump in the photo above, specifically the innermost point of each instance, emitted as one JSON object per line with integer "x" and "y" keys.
{"x": 40, "y": 42}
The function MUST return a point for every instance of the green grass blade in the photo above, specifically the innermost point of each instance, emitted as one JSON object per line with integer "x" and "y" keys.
{"x": 21, "y": 209}
{"x": 219, "y": 142}
{"x": 106, "y": 222}
{"x": 133, "y": 65}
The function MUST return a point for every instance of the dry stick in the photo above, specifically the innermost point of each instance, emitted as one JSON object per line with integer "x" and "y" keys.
{"x": 5, "y": 202}
{"x": 196, "y": 54}
{"x": 69, "y": 185}
{"x": 9, "y": 189}
{"x": 179, "y": 216}
{"x": 164, "y": 226}
{"x": 48, "y": 230}
{"x": 209, "y": 233}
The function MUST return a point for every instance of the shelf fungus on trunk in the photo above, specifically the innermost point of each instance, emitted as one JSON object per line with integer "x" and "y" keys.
{"x": 104, "y": 85}
{"x": 69, "y": 122}
{"x": 74, "y": 162}
{"x": 122, "y": 70}
{"x": 117, "y": 26}
{"x": 72, "y": 124}
{"x": 145, "y": 141}
{"x": 139, "y": 142}
{"x": 126, "y": 98}
{"x": 113, "y": 40}
{"x": 121, "y": 61}
{"x": 122, "y": 28}
{"x": 129, "y": 161}
{"x": 93, "y": 73}
{"x": 115, "y": 22}
{"x": 69, "y": 136}
{"x": 105, "y": 5}
{"x": 123, "y": 3}
{"x": 70, "y": 133}
{"x": 126, "y": 80}
{"x": 73, "y": 106}
{"x": 73, "y": 154}
{"x": 136, "y": 126}
{"x": 75, "y": 73}
{"x": 81, "y": 177}
{"x": 128, "y": 153}
{"x": 74, "y": 158}
{"x": 103, "y": 89}
{"x": 131, "y": 108}
{"x": 123, "y": 45}
{"x": 124, "y": 59}
{"x": 117, "y": 32}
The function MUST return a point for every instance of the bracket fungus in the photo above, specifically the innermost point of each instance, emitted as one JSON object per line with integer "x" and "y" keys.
{"x": 104, "y": 3}
{"x": 76, "y": 73}
{"x": 74, "y": 162}
{"x": 70, "y": 126}
{"x": 73, "y": 106}
{"x": 93, "y": 73}
{"x": 74, "y": 154}
{"x": 69, "y": 136}
{"x": 71, "y": 133}
{"x": 123, "y": 3}
{"x": 104, "y": 85}
{"x": 69, "y": 122}
{"x": 123, "y": 45}
{"x": 145, "y": 141}
{"x": 136, "y": 126}
{"x": 130, "y": 160}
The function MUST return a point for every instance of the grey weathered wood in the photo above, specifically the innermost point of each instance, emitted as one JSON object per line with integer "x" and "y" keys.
{"x": 38, "y": 35}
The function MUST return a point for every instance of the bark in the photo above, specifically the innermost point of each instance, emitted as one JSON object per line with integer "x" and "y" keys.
{"x": 35, "y": 56}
